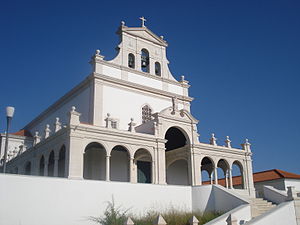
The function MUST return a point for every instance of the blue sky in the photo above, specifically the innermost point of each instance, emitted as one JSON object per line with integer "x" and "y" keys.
{"x": 241, "y": 58}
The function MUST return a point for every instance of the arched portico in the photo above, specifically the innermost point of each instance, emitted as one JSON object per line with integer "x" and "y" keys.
{"x": 51, "y": 164}
{"x": 94, "y": 162}
{"x": 143, "y": 165}
{"x": 119, "y": 164}
{"x": 223, "y": 172}
{"x": 27, "y": 168}
{"x": 42, "y": 166}
{"x": 177, "y": 157}
{"x": 207, "y": 164}
{"x": 61, "y": 162}
{"x": 238, "y": 177}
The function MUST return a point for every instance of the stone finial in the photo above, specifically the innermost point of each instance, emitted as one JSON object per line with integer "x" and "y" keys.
{"x": 47, "y": 131}
{"x": 182, "y": 78}
{"x": 57, "y": 125}
{"x": 131, "y": 125}
{"x": 159, "y": 221}
{"x": 122, "y": 23}
{"x": 97, "y": 52}
{"x": 108, "y": 121}
{"x": 128, "y": 221}
{"x": 246, "y": 145}
{"x": 36, "y": 138}
{"x": 231, "y": 220}
{"x": 213, "y": 139}
{"x": 74, "y": 116}
{"x": 228, "y": 142}
{"x": 162, "y": 37}
{"x": 193, "y": 221}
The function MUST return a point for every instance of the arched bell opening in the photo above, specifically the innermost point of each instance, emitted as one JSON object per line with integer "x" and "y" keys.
{"x": 94, "y": 162}
{"x": 119, "y": 164}
{"x": 178, "y": 173}
{"x": 143, "y": 164}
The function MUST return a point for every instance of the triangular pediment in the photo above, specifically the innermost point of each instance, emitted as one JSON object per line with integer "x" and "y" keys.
{"x": 145, "y": 33}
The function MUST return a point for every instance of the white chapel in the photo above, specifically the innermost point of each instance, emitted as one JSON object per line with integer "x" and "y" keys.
{"x": 129, "y": 120}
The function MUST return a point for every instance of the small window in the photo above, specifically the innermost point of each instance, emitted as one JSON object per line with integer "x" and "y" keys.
{"x": 131, "y": 61}
{"x": 146, "y": 113}
{"x": 157, "y": 69}
{"x": 114, "y": 124}
{"x": 145, "y": 60}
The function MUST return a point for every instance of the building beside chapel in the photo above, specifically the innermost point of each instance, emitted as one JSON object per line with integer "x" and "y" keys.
{"x": 129, "y": 120}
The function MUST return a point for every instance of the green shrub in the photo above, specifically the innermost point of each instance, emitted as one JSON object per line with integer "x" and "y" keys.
{"x": 116, "y": 216}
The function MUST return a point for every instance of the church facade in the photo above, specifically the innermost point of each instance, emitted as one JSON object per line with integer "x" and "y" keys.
{"x": 128, "y": 121}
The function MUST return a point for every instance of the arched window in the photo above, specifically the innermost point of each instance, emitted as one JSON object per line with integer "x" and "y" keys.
{"x": 145, "y": 60}
{"x": 131, "y": 61}
{"x": 157, "y": 69}
{"x": 146, "y": 113}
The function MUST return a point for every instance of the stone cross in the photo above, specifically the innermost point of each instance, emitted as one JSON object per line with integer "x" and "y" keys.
{"x": 143, "y": 21}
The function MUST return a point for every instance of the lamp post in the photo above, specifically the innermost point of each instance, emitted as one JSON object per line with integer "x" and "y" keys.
{"x": 9, "y": 114}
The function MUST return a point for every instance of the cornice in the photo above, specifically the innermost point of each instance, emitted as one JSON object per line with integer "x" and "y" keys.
{"x": 219, "y": 149}
{"x": 140, "y": 87}
{"x": 144, "y": 74}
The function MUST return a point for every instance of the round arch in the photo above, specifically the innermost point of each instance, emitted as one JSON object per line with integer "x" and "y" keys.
{"x": 94, "y": 162}
{"x": 143, "y": 164}
{"x": 51, "y": 164}
{"x": 119, "y": 164}
{"x": 223, "y": 172}
{"x": 27, "y": 168}
{"x": 42, "y": 166}
{"x": 208, "y": 165}
{"x": 61, "y": 161}
{"x": 238, "y": 178}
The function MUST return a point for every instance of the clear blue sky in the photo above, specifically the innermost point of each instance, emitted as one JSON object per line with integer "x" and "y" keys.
{"x": 242, "y": 59}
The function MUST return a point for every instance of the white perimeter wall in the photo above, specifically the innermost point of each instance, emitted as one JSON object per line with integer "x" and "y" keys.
{"x": 292, "y": 182}
{"x": 125, "y": 104}
{"x": 29, "y": 200}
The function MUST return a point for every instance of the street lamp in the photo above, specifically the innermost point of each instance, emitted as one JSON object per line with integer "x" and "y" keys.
{"x": 9, "y": 114}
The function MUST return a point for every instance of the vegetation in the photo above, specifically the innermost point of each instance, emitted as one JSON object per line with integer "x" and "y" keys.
{"x": 117, "y": 216}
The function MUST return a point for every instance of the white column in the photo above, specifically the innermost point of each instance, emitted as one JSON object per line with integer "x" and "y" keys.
{"x": 226, "y": 178}
{"x": 55, "y": 174}
{"x": 230, "y": 178}
{"x": 211, "y": 177}
{"x": 131, "y": 170}
{"x": 107, "y": 168}
{"x": 46, "y": 168}
{"x": 74, "y": 158}
{"x": 216, "y": 176}
{"x": 161, "y": 164}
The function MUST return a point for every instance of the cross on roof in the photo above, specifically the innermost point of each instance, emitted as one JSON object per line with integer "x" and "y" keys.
{"x": 143, "y": 21}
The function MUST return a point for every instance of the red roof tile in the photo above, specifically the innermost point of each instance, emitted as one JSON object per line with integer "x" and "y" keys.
{"x": 24, "y": 133}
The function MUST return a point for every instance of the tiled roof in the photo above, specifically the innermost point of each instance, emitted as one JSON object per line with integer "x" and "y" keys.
{"x": 267, "y": 175}
{"x": 24, "y": 133}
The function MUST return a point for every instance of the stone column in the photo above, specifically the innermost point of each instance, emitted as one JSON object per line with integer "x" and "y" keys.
{"x": 74, "y": 157}
{"x": 132, "y": 170}
{"x": 56, "y": 166}
{"x": 161, "y": 164}
{"x": 226, "y": 178}
{"x": 216, "y": 176}
{"x": 46, "y": 168}
{"x": 107, "y": 177}
{"x": 230, "y": 178}
{"x": 211, "y": 177}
